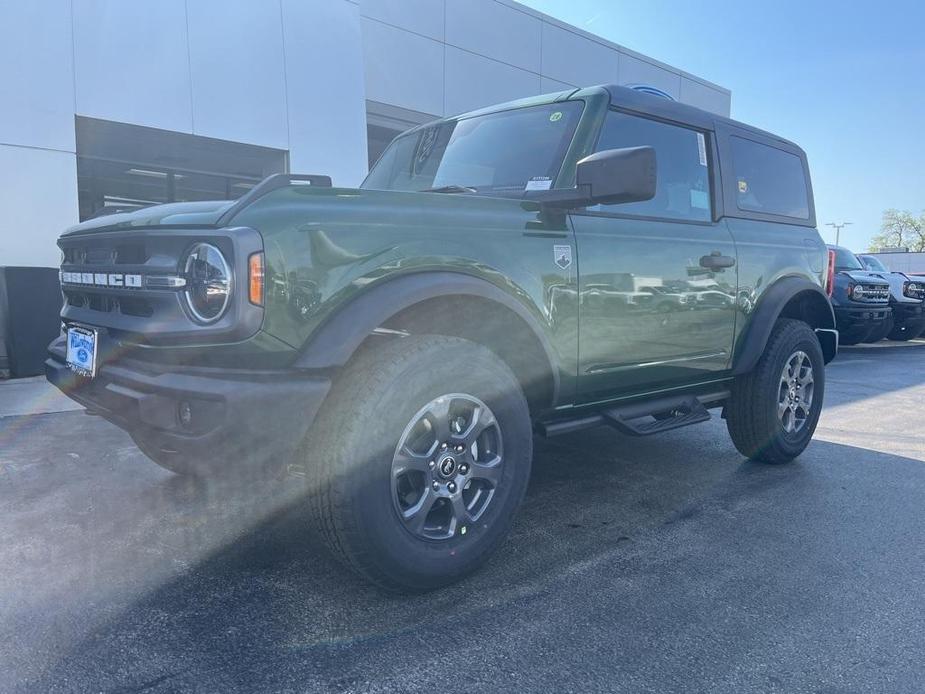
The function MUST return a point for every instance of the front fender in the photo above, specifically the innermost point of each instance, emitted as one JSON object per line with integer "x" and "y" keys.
{"x": 335, "y": 341}
{"x": 791, "y": 297}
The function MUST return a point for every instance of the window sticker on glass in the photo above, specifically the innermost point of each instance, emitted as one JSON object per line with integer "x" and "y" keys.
{"x": 700, "y": 200}
{"x": 555, "y": 117}
{"x": 743, "y": 186}
{"x": 539, "y": 183}
{"x": 702, "y": 148}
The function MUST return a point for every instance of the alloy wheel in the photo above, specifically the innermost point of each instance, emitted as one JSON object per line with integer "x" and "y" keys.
{"x": 447, "y": 467}
{"x": 795, "y": 392}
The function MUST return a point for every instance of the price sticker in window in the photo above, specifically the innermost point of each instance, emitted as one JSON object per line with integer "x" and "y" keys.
{"x": 539, "y": 183}
{"x": 702, "y": 148}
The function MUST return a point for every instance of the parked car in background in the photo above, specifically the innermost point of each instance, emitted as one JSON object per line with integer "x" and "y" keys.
{"x": 860, "y": 299}
{"x": 907, "y": 296}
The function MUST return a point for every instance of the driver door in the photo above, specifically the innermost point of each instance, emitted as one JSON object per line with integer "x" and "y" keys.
{"x": 658, "y": 279}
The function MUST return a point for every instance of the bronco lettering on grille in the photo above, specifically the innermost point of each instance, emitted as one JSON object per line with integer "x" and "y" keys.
{"x": 99, "y": 279}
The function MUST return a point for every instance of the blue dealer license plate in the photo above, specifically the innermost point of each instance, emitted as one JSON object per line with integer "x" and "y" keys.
{"x": 81, "y": 351}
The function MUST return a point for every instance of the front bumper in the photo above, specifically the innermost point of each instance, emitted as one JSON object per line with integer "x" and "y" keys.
{"x": 856, "y": 320}
{"x": 214, "y": 416}
{"x": 909, "y": 315}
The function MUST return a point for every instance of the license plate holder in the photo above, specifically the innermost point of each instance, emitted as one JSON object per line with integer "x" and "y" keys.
{"x": 81, "y": 350}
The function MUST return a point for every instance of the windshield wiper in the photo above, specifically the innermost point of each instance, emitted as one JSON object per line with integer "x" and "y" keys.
{"x": 450, "y": 189}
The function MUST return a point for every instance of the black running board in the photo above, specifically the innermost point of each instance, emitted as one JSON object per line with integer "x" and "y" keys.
{"x": 642, "y": 418}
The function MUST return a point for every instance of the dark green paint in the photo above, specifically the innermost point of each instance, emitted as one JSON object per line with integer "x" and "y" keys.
{"x": 634, "y": 313}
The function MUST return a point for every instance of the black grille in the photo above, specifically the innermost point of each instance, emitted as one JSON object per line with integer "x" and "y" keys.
{"x": 126, "y": 281}
{"x": 132, "y": 306}
{"x": 875, "y": 293}
{"x": 121, "y": 254}
{"x": 126, "y": 305}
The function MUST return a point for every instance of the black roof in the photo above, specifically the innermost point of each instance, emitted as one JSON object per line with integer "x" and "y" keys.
{"x": 649, "y": 104}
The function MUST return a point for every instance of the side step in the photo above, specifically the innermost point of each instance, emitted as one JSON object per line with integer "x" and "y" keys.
{"x": 642, "y": 418}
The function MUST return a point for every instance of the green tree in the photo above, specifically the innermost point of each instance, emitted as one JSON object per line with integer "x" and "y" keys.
{"x": 900, "y": 228}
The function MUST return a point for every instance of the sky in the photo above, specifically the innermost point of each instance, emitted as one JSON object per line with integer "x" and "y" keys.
{"x": 844, "y": 80}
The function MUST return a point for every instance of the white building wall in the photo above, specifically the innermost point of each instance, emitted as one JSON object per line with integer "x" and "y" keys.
{"x": 285, "y": 74}
{"x": 326, "y": 106}
{"x": 289, "y": 74}
{"x": 473, "y": 53}
{"x": 131, "y": 62}
{"x": 237, "y": 68}
{"x": 38, "y": 173}
{"x": 38, "y": 200}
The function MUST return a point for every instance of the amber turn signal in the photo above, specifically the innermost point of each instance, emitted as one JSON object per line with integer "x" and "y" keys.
{"x": 255, "y": 272}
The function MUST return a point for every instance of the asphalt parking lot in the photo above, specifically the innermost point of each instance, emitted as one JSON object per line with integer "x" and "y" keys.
{"x": 661, "y": 564}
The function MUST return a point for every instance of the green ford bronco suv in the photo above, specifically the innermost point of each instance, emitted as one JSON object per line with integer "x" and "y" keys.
{"x": 595, "y": 257}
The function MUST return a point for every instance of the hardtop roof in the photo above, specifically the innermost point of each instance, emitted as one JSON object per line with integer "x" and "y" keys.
{"x": 636, "y": 101}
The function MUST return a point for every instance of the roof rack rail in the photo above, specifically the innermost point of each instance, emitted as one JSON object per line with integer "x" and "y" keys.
{"x": 269, "y": 184}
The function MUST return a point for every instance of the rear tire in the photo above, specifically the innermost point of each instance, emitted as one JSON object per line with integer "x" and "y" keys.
{"x": 368, "y": 455}
{"x": 763, "y": 419}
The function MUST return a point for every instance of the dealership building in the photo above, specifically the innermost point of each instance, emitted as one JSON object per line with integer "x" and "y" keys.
{"x": 113, "y": 104}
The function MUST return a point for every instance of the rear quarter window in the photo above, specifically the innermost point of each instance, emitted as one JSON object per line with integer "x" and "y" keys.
{"x": 768, "y": 180}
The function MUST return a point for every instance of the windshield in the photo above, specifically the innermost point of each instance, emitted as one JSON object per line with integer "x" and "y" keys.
{"x": 874, "y": 264}
{"x": 846, "y": 260}
{"x": 503, "y": 153}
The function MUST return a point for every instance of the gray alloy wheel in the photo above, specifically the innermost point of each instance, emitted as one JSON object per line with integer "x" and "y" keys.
{"x": 795, "y": 393}
{"x": 447, "y": 466}
{"x": 418, "y": 460}
{"x": 773, "y": 410}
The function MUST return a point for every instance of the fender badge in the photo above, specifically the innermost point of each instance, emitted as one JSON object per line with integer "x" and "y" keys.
{"x": 563, "y": 256}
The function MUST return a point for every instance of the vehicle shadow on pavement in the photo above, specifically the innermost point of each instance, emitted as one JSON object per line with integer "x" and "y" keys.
{"x": 270, "y": 609}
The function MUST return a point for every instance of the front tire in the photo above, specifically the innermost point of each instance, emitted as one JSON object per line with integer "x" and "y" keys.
{"x": 418, "y": 461}
{"x": 902, "y": 333}
{"x": 773, "y": 411}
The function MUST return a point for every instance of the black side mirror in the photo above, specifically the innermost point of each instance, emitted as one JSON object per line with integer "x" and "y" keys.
{"x": 610, "y": 177}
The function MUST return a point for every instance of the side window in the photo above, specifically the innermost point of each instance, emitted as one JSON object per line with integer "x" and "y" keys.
{"x": 683, "y": 190}
{"x": 768, "y": 180}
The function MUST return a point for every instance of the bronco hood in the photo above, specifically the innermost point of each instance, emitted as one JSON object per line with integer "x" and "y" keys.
{"x": 864, "y": 276}
{"x": 175, "y": 214}
{"x": 896, "y": 280}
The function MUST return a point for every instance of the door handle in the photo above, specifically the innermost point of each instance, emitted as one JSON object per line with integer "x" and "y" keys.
{"x": 717, "y": 261}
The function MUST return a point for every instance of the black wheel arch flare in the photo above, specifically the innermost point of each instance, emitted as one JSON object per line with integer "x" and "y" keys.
{"x": 790, "y": 297}
{"x": 335, "y": 341}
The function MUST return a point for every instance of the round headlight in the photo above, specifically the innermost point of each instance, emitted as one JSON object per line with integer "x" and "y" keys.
{"x": 208, "y": 283}
{"x": 856, "y": 291}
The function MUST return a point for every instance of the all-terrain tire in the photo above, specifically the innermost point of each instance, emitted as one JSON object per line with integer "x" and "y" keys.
{"x": 752, "y": 414}
{"x": 348, "y": 459}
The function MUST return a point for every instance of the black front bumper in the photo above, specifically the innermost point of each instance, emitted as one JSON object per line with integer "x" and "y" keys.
{"x": 218, "y": 417}
{"x": 858, "y": 319}
{"x": 909, "y": 315}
